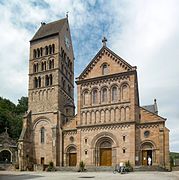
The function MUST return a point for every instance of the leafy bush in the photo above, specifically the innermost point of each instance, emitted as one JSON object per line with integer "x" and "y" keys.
{"x": 129, "y": 167}
{"x": 81, "y": 166}
{"x": 51, "y": 166}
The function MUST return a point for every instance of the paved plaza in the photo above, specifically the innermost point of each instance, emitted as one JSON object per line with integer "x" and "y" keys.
{"x": 5, "y": 175}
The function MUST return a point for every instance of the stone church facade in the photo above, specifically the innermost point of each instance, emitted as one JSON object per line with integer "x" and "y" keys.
{"x": 110, "y": 125}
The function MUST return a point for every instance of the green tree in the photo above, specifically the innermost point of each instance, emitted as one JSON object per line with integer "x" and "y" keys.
{"x": 11, "y": 116}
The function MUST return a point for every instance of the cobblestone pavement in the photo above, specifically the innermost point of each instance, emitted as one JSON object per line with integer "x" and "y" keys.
{"x": 5, "y": 175}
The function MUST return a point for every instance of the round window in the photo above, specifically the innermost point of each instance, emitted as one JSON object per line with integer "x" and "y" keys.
{"x": 71, "y": 138}
{"x": 146, "y": 134}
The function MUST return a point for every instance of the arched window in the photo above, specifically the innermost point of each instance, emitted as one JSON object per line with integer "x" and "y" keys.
{"x": 85, "y": 98}
{"x": 39, "y": 81}
{"x": 50, "y": 49}
{"x": 34, "y": 53}
{"x": 46, "y": 50}
{"x": 42, "y": 135}
{"x": 52, "y": 63}
{"x": 46, "y": 80}
{"x": 35, "y": 82}
{"x": 38, "y": 52}
{"x": 50, "y": 79}
{"x": 104, "y": 69}
{"x": 43, "y": 66}
{"x": 104, "y": 95}
{"x": 34, "y": 68}
{"x": 37, "y": 67}
{"x": 41, "y": 51}
{"x": 53, "y": 48}
{"x": 95, "y": 96}
{"x": 114, "y": 94}
{"x": 125, "y": 92}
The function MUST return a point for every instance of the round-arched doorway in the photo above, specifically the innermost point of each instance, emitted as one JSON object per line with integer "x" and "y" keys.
{"x": 147, "y": 151}
{"x": 105, "y": 153}
{"x": 71, "y": 156}
{"x": 5, "y": 156}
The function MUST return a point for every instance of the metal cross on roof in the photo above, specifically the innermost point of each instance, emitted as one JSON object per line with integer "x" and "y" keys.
{"x": 104, "y": 40}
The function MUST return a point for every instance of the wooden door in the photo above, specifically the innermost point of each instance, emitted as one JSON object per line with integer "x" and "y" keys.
{"x": 144, "y": 157}
{"x": 72, "y": 159}
{"x": 105, "y": 157}
{"x": 42, "y": 160}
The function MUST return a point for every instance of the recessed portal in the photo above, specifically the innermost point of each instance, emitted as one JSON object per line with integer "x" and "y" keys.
{"x": 105, "y": 154}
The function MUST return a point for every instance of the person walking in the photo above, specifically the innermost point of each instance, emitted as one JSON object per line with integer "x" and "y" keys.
{"x": 149, "y": 161}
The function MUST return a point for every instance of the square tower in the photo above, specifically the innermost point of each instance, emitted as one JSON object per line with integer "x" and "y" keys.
{"x": 51, "y": 94}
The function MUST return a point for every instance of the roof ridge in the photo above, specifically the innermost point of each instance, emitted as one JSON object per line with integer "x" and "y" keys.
{"x": 49, "y": 29}
{"x": 110, "y": 51}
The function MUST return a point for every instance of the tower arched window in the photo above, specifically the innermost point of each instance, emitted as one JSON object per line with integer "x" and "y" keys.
{"x": 35, "y": 82}
{"x": 85, "y": 98}
{"x": 104, "y": 95}
{"x": 38, "y": 52}
{"x": 53, "y": 48}
{"x": 41, "y": 51}
{"x": 35, "y": 53}
{"x": 39, "y": 81}
{"x": 114, "y": 94}
{"x": 42, "y": 135}
{"x": 50, "y": 79}
{"x": 43, "y": 66}
{"x": 46, "y": 80}
{"x": 52, "y": 63}
{"x": 50, "y": 49}
{"x": 95, "y": 96}
{"x": 34, "y": 67}
{"x": 105, "y": 70}
{"x": 46, "y": 50}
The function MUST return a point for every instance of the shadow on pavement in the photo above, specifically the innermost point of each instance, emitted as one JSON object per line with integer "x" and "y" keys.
{"x": 18, "y": 177}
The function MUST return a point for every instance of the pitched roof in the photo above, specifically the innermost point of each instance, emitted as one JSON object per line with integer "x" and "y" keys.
{"x": 49, "y": 29}
{"x": 150, "y": 108}
{"x": 100, "y": 51}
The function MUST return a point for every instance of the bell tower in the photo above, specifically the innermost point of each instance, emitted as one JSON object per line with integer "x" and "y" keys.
{"x": 51, "y": 94}
{"x": 51, "y": 69}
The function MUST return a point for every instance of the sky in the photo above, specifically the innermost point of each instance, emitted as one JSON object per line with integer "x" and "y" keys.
{"x": 143, "y": 32}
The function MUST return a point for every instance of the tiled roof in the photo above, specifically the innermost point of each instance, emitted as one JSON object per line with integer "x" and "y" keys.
{"x": 49, "y": 29}
{"x": 150, "y": 108}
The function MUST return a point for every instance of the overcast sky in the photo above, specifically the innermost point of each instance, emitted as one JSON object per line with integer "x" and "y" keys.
{"x": 143, "y": 32}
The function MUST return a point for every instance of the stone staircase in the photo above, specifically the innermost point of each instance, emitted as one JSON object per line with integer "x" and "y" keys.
{"x": 149, "y": 168}
{"x": 6, "y": 167}
{"x": 88, "y": 169}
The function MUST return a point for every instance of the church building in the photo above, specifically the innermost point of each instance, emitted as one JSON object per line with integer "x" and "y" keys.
{"x": 110, "y": 125}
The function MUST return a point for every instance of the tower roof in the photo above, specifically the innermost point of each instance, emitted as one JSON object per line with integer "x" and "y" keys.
{"x": 49, "y": 29}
